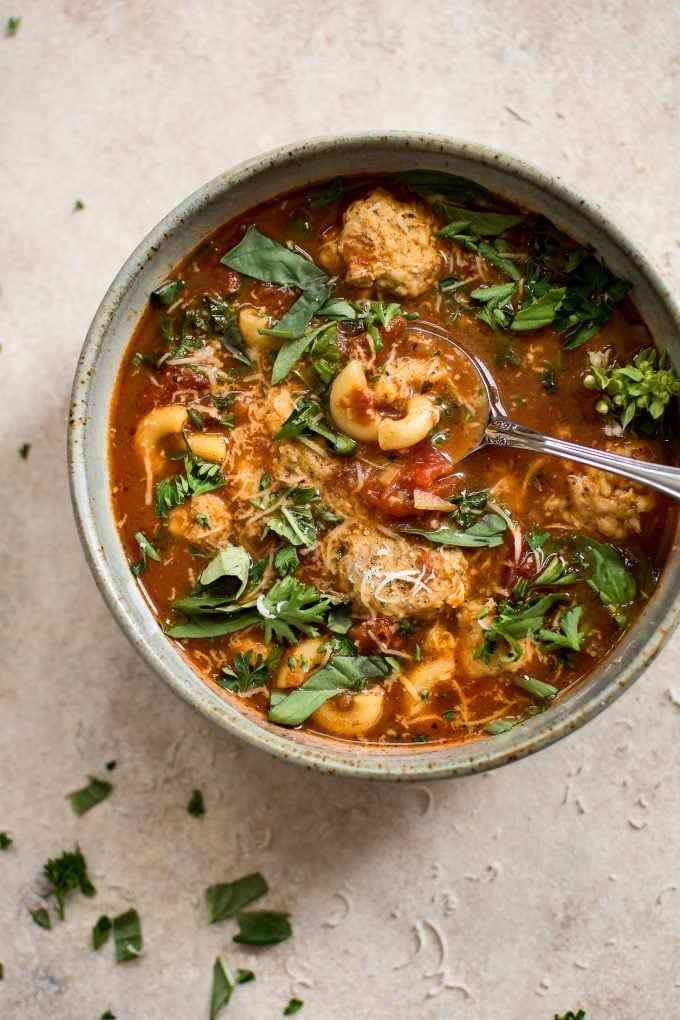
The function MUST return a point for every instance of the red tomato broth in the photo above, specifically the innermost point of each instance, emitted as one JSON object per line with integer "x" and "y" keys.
{"x": 532, "y": 488}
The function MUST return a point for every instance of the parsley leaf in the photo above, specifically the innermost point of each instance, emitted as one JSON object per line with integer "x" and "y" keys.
{"x": 263, "y": 927}
{"x": 196, "y": 806}
{"x": 511, "y": 623}
{"x": 199, "y": 476}
{"x": 222, "y": 986}
{"x": 227, "y": 899}
{"x": 41, "y": 918}
{"x": 66, "y": 873}
{"x": 89, "y": 796}
{"x": 307, "y": 419}
{"x": 244, "y": 675}
{"x": 127, "y": 936}
{"x": 569, "y": 635}
{"x": 286, "y": 561}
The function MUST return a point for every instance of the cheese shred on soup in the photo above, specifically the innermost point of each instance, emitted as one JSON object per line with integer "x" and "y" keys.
{"x": 288, "y": 469}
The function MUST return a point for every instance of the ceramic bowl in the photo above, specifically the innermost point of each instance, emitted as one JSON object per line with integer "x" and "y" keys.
{"x": 224, "y": 198}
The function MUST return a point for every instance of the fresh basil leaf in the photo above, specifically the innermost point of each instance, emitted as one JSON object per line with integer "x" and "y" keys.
{"x": 299, "y": 315}
{"x": 339, "y": 619}
{"x": 607, "y": 575}
{"x": 231, "y": 562}
{"x": 432, "y": 182}
{"x": 261, "y": 258}
{"x": 227, "y": 899}
{"x": 243, "y": 976}
{"x": 326, "y": 194}
{"x": 222, "y": 986}
{"x": 210, "y": 627}
{"x": 476, "y": 221}
{"x": 294, "y": 523}
{"x": 496, "y": 258}
{"x": 101, "y": 931}
{"x": 509, "y": 722}
{"x": 487, "y": 533}
{"x": 294, "y": 1006}
{"x": 341, "y": 673}
{"x": 127, "y": 935}
{"x": 196, "y": 805}
{"x": 540, "y": 312}
{"x": 306, "y": 419}
{"x": 167, "y": 293}
{"x": 41, "y": 918}
{"x": 147, "y": 551}
{"x": 291, "y": 352}
{"x": 263, "y": 927}
{"x": 89, "y": 796}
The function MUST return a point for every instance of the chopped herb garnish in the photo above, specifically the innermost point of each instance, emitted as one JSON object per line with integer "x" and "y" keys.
{"x": 78, "y": 205}
{"x": 41, "y": 917}
{"x": 432, "y": 182}
{"x": 307, "y": 419}
{"x": 222, "y": 986}
{"x": 196, "y": 807}
{"x": 639, "y": 391}
{"x": 199, "y": 476}
{"x": 108, "y": 1015}
{"x": 12, "y": 26}
{"x": 245, "y": 675}
{"x": 538, "y": 688}
{"x": 110, "y": 765}
{"x": 449, "y": 714}
{"x": 101, "y": 931}
{"x": 227, "y": 899}
{"x": 167, "y": 293}
{"x": 419, "y": 738}
{"x": 148, "y": 553}
{"x": 341, "y": 673}
{"x": 486, "y": 532}
{"x": 89, "y": 796}
{"x": 5, "y": 841}
{"x": 286, "y": 561}
{"x": 294, "y": 1006}
{"x": 66, "y": 873}
{"x": 572, "y": 1016}
{"x": 243, "y": 976}
{"x": 195, "y": 418}
{"x": 327, "y": 194}
{"x": 263, "y": 927}
{"x": 24, "y": 450}
{"x": 548, "y": 382}
{"x": 127, "y": 936}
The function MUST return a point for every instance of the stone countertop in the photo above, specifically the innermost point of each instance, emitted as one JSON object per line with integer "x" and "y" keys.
{"x": 549, "y": 885}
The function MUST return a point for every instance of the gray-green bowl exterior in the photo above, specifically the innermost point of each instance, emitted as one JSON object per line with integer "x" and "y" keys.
{"x": 224, "y": 198}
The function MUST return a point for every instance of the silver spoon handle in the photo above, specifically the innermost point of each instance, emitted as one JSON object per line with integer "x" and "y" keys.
{"x": 503, "y": 432}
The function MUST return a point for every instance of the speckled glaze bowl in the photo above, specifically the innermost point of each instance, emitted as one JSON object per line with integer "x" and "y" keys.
{"x": 224, "y": 198}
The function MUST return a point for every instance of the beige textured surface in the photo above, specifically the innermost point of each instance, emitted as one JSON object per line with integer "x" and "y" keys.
{"x": 556, "y": 882}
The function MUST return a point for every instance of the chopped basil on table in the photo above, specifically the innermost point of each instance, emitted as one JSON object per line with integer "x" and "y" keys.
{"x": 127, "y": 936}
{"x": 227, "y": 899}
{"x": 89, "y": 796}
{"x": 263, "y": 927}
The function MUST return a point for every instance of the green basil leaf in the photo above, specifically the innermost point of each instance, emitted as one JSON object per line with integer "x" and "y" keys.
{"x": 211, "y": 627}
{"x": 538, "y": 688}
{"x": 101, "y": 931}
{"x": 607, "y": 575}
{"x": 127, "y": 935}
{"x": 476, "y": 221}
{"x": 294, "y": 1006}
{"x": 326, "y": 194}
{"x": 243, "y": 976}
{"x": 89, "y": 796}
{"x": 222, "y": 986}
{"x": 341, "y": 673}
{"x": 227, "y": 899}
{"x": 298, "y": 317}
{"x": 167, "y": 293}
{"x": 486, "y": 533}
{"x": 432, "y": 182}
{"x": 263, "y": 927}
{"x": 233, "y": 562}
{"x": 540, "y": 312}
{"x": 261, "y": 258}
{"x": 290, "y": 353}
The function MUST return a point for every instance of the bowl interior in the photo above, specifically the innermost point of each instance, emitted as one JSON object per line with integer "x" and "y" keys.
{"x": 229, "y": 196}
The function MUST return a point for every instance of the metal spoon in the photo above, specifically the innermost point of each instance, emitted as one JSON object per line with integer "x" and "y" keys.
{"x": 500, "y": 430}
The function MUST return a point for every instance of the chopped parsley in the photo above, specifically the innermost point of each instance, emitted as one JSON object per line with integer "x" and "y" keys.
{"x": 66, "y": 873}
{"x": 199, "y": 476}
{"x": 24, "y": 450}
{"x": 12, "y": 26}
{"x": 196, "y": 807}
{"x": 245, "y": 674}
{"x": 78, "y": 205}
{"x": 294, "y": 1006}
{"x": 243, "y": 976}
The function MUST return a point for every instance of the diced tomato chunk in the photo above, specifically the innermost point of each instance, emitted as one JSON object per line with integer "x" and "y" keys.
{"x": 422, "y": 467}
{"x": 372, "y": 636}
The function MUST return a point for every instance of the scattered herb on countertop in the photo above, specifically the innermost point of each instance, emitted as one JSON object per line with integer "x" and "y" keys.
{"x": 581, "y": 1015}
{"x": 243, "y": 976}
{"x": 12, "y": 26}
{"x": 222, "y": 986}
{"x": 294, "y": 1006}
{"x": 101, "y": 931}
{"x": 78, "y": 205}
{"x": 24, "y": 450}
{"x": 196, "y": 806}
{"x": 5, "y": 841}
{"x": 225, "y": 900}
{"x": 41, "y": 917}
{"x": 127, "y": 935}
{"x": 66, "y": 873}
{"x": 263, "y": 927}
{"x": 89, "y": 796}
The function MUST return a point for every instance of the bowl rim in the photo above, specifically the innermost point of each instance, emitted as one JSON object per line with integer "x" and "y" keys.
{"x": 327, "y": 755}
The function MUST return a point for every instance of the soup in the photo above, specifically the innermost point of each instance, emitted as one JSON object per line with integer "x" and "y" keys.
{"x": 295, "y": 477}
